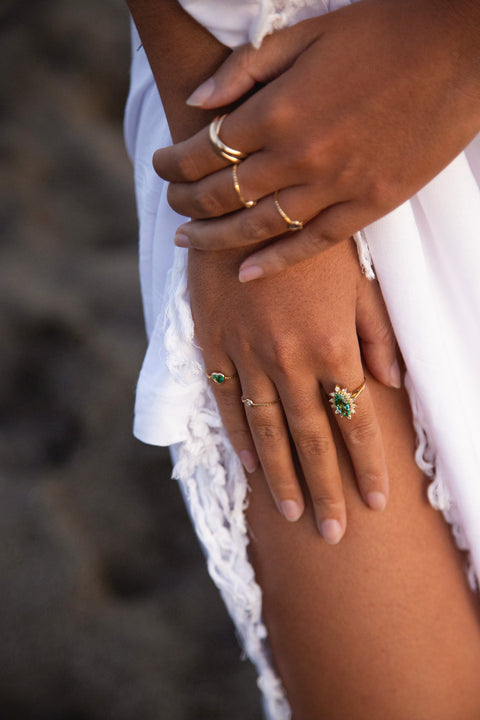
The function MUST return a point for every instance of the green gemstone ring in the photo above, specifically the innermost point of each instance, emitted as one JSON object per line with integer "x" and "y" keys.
{"x": 343, "y": 402}
{"x": 218, "y": 378}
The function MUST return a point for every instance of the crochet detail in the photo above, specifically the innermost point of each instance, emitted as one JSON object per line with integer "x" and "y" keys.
{"x": 216, "y": 493}
{"x": 277, "y": 14}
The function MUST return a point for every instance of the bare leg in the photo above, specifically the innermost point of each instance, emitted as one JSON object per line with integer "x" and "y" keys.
{"x": 382, "y": 626}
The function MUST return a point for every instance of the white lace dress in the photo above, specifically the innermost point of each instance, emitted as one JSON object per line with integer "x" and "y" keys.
{"x": 426, "y": 256}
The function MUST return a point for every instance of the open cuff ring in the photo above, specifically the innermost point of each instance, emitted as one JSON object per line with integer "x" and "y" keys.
{"x": 343, "y": 402}
{"x": 248, "y": 402}
{"x": 218, "y": 378}
{"x": 293, "y": 225}
{"x": 224, "y": 151}
{"x": 246, "y": 203}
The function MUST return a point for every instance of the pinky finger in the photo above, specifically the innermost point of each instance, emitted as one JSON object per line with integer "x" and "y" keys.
{"x": 227, "y": 395}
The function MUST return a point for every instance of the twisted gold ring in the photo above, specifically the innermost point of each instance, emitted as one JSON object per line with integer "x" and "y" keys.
{"x": 343, "y": 402}
{"x": 224, "y": 151}
{"x": 246, "y": 203}
{"x": 249, "y": 403}
{"x": 218, "y": 378}
{"x": 293, "y": 225}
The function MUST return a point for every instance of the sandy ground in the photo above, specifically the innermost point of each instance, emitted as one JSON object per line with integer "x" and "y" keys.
{"x": 106, "y": 610}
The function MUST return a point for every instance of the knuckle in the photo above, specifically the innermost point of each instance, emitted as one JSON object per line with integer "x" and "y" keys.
{"x": 362, "y": 434}
{"x": 187, "y": 166}
{"x": 205, "y": 203}
{"x": 334, "y": 349}
{"x": 329, "y": 504}
{"x": 267, "y": 432}
{"x": 255, "y": 227}
{"x": 381, "y": 193}
{"x": 313, "y": 446}
{"x": 284, "y": 355}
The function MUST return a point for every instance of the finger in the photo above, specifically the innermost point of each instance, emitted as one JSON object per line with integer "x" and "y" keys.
{"x": 312, "y": 435}
{"x": 215, "y": 195}
{"x": 270, "y": 218}
{"x": 193, "y": 159}
{"x": 270, "y": 434}
{"x": 227, "y": 395}
{"x": 375, "y": 331}
{"x": 334, "y": 224}
{"x": 363, "y": 439}
{"x": 247, "y": 66}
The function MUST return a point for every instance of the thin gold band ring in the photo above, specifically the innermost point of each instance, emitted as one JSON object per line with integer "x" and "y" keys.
{"x": 293, "y": 225}
{"x": 246, "y": 203}
{"x": 248, "y": 402}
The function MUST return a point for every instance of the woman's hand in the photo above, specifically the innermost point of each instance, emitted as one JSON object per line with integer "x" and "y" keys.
{"x": 295, "y": 338}
{"x": 361, "y": 108}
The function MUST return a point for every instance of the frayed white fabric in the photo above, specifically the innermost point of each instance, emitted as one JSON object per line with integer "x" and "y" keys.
{"x": 426, "y": 256}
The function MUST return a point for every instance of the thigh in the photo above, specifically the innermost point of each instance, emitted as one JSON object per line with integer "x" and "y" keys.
{"x": 383, "y": 625}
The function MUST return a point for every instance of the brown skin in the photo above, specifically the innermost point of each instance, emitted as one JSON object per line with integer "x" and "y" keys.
{"x": 382, "y": 625}
{"x": 362, "y": 108}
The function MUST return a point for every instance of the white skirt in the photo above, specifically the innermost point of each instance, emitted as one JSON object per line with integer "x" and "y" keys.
{"x": 426, "y": 256}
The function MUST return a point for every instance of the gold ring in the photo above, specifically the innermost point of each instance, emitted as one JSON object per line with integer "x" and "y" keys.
{"x": 249, "y": 403}
{"x": 218, "y": 378}
{"x": 246, "y": 203}
{"x": 343, "y": 402}
{"x": 226, "y": 152}
{"x": 293, "y": 225}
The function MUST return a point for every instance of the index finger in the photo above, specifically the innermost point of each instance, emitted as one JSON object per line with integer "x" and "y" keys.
{"x": 193, "y": 159}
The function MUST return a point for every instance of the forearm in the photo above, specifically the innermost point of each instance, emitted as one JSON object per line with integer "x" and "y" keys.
{"x": 181, "y": 54}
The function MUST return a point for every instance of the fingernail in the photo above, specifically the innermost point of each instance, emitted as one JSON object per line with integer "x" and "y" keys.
{"x": 291, "y": 509}
{"x": 202, "y": 93}
{"x": 249, "y": 460}
{"x": 395, "y": 375}
{"x": 331, "y": 531}
{"x": 182, "y": 240}
{"x": 252, "y": 272}
{"x": 376, "y": 501}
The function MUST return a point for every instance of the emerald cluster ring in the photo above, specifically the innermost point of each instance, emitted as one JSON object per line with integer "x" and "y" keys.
{"x": 343, "y": 401}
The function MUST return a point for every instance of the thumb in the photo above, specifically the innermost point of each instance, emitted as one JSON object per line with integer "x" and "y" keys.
{"x": 247, "y": 66}
{"x": 378, "y": 342}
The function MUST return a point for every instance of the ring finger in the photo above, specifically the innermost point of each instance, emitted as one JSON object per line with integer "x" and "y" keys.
{"x": 270, "y": 433}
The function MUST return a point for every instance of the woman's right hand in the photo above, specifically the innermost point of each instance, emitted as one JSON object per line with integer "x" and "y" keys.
{"x": 295, "y": 337}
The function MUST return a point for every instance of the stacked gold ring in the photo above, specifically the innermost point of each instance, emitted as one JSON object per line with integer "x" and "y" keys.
{"x": 224, "y": 151}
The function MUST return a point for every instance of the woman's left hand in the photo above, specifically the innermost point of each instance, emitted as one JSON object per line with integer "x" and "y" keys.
{"x": 361, "y": 108}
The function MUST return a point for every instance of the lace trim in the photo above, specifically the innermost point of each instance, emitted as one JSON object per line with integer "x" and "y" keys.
{"x": 438, "y": 493}
{"x": 277, "y": 14}
{"x": 216, "y": 492}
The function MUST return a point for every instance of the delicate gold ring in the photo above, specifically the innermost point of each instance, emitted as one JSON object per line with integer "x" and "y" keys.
{"x": 226, "y": 152}
{"x": 218, "y": 378}
{"x": 293, "y": 225}
{"x": 249, "y": 403}
{"x": 246, "y": 203}
{"x": 343, "y": 402}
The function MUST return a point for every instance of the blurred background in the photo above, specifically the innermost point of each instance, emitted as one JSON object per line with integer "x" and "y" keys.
{"x": 106, "y": 609}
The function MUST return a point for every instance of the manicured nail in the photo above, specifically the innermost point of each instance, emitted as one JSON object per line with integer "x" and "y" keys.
{"x": 182, "y": 240}
{"x": 331, "y": 531}
{"x": 395, "y": 375}
{"x": 202, "y": 93}
{"x": 252, "y": 272}
{"x": 376, "y": 501}
{"x": 291, "y": 509}
{"x": 249, "y": 460}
